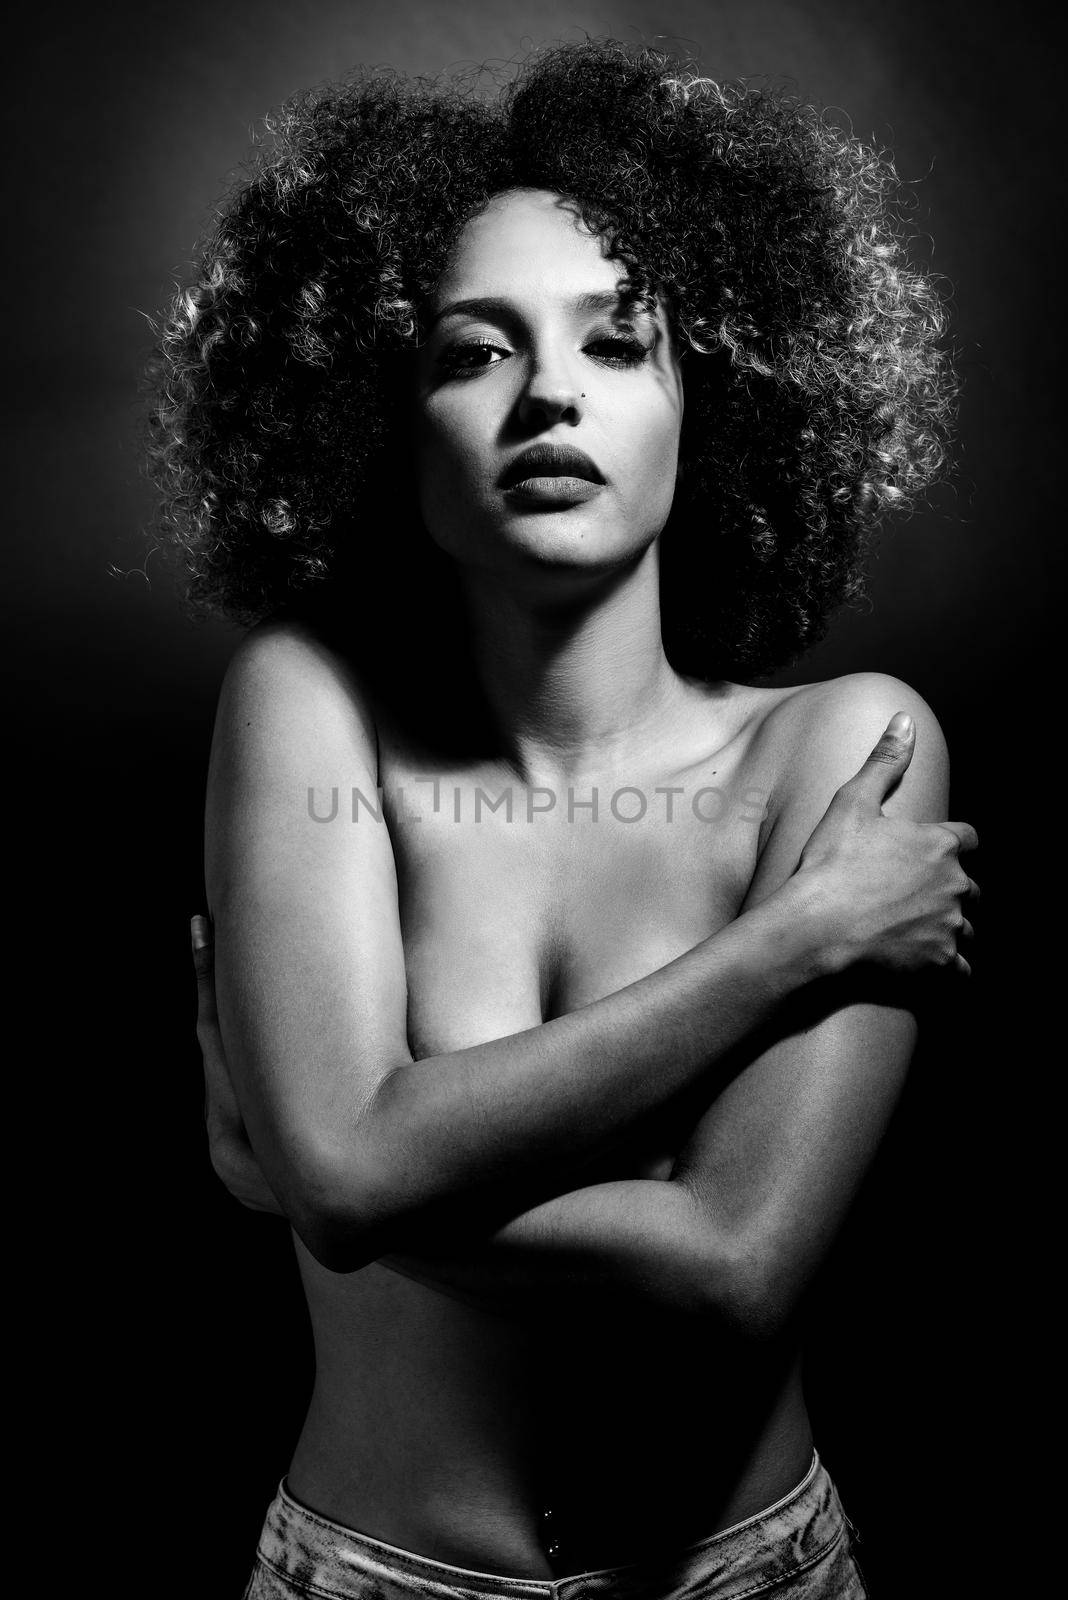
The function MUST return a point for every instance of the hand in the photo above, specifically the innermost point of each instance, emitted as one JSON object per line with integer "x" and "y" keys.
{"x": 231, "y": 1153}
{"x": 892, "y": 891}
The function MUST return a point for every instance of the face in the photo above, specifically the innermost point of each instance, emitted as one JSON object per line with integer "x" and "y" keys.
{"x": 547, "y": 419}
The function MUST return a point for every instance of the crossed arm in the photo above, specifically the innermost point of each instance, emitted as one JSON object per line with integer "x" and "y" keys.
{"x": 757, "y": 1191}
{"x": 751, "y": 1205}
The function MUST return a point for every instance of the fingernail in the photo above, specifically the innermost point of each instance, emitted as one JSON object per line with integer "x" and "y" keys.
{"x": 900, "y": 725}
{"x": 196, "y": 928}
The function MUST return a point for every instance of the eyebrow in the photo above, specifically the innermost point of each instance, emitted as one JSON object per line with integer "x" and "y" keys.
{"x": 494, "y": 306}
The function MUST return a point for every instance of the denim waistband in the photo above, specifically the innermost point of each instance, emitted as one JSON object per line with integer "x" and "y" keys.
{"x": 325, "y": 1558}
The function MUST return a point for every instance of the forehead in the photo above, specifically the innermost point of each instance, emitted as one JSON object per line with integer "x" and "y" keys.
{"x": 527, "y": 243}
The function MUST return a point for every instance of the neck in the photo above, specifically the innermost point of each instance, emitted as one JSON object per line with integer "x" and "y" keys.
{"x": 574, "y": 681}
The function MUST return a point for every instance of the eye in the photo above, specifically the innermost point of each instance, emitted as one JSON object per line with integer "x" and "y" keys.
{"x": 617, "y": 349}
{"x": 470, "y": 357}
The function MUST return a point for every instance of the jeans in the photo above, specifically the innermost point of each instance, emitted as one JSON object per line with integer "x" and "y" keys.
{"x": 797, "y": 1549}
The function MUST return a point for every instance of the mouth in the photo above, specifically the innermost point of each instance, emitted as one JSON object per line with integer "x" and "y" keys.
{"x": 552, "y": 494}
{"x": 556, "y": 472}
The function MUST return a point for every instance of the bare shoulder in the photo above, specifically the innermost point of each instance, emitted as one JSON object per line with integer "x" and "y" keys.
{"x": 284, "y": 682}
{"x": 841, "y": 719}
{"x": 818, "y": 736}
{"x": 292, "y": 719}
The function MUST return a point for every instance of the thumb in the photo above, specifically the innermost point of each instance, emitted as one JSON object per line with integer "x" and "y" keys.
{"x": 888, "y": 762}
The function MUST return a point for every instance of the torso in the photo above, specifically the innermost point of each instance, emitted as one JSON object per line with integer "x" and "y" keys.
{"x": 443, "y": 1426}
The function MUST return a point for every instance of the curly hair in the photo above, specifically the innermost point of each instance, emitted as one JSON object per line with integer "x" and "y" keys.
{"x": 816, "y": 392}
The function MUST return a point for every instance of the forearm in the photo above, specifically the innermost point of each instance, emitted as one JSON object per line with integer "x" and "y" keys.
{"x": 516, "y": 1117}
{"x": 739, "y": 1229}
{"x": 631, "y": 1238}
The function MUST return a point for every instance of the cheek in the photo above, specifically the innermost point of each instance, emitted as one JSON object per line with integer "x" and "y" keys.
{"x": 435, "y": 463}
{"x": 452, "y": 473}
{"x": 450, "y": 446}
{"x": 652, "y": 460}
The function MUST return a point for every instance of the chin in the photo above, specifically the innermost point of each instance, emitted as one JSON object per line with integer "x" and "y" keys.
{"x": 570, "y": 539}
{"x": 551, "y": 542}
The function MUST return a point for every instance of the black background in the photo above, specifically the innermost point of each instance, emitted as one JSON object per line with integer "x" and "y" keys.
{"x": 168, "y": 1325}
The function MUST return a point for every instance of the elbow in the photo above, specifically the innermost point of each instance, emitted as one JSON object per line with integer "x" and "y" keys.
{"x": 335, "y": 1239}
{"x": 352, "y": 1199}
{"x": 738, "y": 1276}
{"x": 751, "y": 1289}
{"x": 337, "y": 1209}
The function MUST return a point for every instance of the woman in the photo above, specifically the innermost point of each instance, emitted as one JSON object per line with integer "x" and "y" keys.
{"x": 566, "y": 981}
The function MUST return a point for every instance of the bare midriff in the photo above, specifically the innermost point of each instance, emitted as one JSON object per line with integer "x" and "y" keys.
{"x": 540, "y": 1448}
{"x": 561, "y": 1436}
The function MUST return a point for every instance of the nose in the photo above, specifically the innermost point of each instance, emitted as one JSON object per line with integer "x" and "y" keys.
{"x": 551, "y": 393}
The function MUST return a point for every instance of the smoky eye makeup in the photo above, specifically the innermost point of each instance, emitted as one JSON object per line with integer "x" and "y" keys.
{"x": 470, "y": 355}
{"x": 613, "y": 345}
{"x": 621, "y": 344}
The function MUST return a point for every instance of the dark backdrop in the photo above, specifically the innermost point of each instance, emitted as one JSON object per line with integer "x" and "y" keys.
{"x": 176, "y": 1357}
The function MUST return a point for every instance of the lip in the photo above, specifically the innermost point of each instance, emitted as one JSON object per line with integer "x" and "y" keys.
{"x": 552, "y": 491}
{"x": 536, "y": 469}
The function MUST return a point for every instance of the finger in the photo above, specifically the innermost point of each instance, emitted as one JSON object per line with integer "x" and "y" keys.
{"x": 221, "y": 1109}
{"x": 204, "y": 962}
{"x": 961, "y": 966}
{"x": 964, "y": 833}
{"x": 965, "y": 931}
{"x": 888, "y": 762}
{"x": 202, "y": 935}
